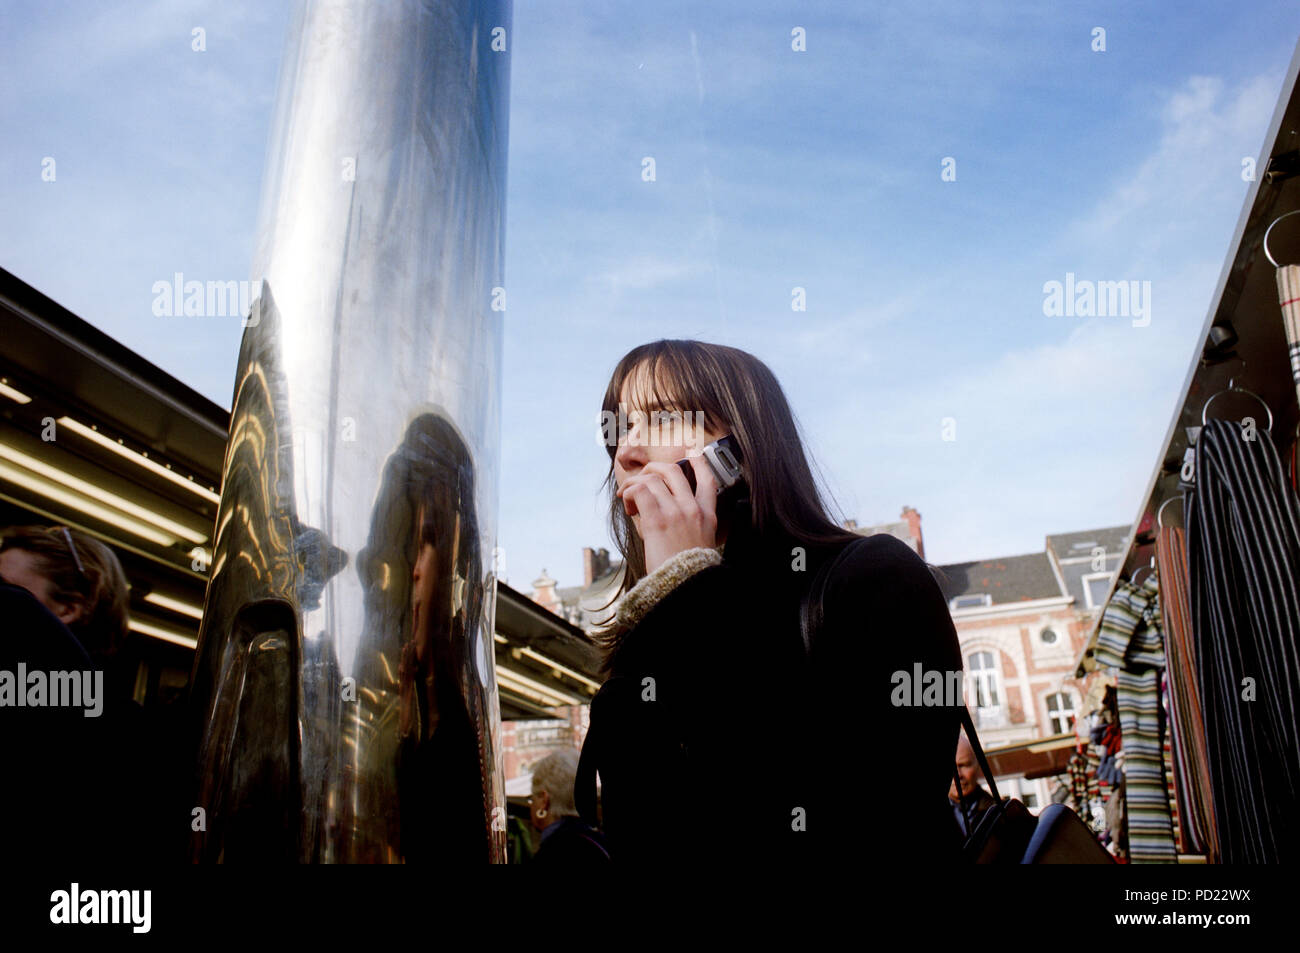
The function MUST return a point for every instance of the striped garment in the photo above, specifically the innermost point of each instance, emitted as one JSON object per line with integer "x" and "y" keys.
{"x": 1243, "y": 531}
{"x": 1131, "y": 639}
{"x": 1083, "y": 781}
{"x": 1288, "y": 295}
{"x": 1129, "y": 636}
{"x": 1191, "y": 772}
{"x": 1167, "y": 761}
{"x": 1150, "y": 829}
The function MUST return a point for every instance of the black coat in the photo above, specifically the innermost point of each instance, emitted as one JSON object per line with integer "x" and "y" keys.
{"x": 79, "y": 788}
{"x": 43, "y": 800}
{"x": 572, "y": 844}
{"x": 748, "y": 739}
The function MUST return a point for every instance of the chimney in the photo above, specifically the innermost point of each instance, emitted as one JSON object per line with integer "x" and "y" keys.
{"x": 595, "y": 563}
{"x": 544, "y": 593}
{"x": 851, "y": 524}
{"x": 914, "y": 523}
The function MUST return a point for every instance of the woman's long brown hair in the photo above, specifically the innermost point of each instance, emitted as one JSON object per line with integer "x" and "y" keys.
{"x": 738, "y": 394}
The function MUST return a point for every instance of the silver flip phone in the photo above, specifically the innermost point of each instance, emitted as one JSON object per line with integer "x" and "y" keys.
{"x": 723, "y": 457}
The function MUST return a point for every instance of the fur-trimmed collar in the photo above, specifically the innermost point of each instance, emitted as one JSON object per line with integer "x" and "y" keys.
{"x": 633, "y": 605}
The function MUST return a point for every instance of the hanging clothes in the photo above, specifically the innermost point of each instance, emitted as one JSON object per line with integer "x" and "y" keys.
{"x": 1083, "y": 782}
{"x": 1167, "y": 758}
{"x": 1131, "y": 639}
{"x": 1191, "y": 769}
{"x": 1130, "y": 636}
{"x": 1243, "y": 529}
{"x": 1288, "y": 295}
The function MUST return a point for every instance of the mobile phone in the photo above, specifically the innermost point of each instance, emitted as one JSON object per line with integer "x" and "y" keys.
{"x": 723, "y": 458}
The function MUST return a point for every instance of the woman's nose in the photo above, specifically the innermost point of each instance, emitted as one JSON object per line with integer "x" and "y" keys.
{"x": 631, "y": 453}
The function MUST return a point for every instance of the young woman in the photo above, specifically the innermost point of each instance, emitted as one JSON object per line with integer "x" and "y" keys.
{"x": 63, "y": 599}
{"x": 721, "y": 733}
{"x": 76, "y": 578}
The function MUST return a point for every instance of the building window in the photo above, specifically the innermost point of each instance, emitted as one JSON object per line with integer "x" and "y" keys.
{"x": 1028, "y": 793}
{"x": 985, "y": 677}
{"x": 1048, "y": 636}
{"x": 1060, "y": 712}
{"x": 970, "y": 601}
{"x": 1095, "y": 587}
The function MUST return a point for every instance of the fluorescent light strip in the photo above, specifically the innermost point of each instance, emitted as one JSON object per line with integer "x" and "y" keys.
{"x": 89, "y": 489}
{"x": 538, "y": 686}
{"x": 542, "y": 698}
{"x": 52, "y": 491}
{"x": 14, "y": 394}
{"x": 167, "y": 635}
{"x": 139, "y": 459}
{"x": 576, "y": 676}
{"x": 176, "y": 605}
{"x": 537, "y": 698}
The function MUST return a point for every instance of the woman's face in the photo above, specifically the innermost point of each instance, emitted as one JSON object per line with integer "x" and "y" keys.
{"x": 18, "y": 567}
{"x": 655, "y": 433}
{"x": 424, "y": 575}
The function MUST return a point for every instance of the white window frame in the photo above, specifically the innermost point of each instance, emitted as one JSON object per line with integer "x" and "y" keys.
{"x": 1087, "y": 590}
{"x": 1063, "y": 712}
{"x": 987, "y": 678}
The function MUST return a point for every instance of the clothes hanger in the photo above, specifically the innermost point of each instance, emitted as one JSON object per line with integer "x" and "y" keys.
{"x": 1268, "y": 254}
{"x": 1133, "y": 579}
{"x": 1233, "y": 388}
{"x": 1161, "y": 510}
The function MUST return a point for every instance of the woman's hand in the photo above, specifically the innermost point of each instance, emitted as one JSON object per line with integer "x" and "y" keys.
{"x": 673, "y": 519}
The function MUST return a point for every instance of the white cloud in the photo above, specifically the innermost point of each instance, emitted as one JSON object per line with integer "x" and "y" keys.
{"x": 1207, "y": 130}
{"x": 644, "y": 272}
{"x": 1064, "y": 428}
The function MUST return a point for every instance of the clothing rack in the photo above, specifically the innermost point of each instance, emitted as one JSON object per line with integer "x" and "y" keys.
{"x": 1243, "y": 341}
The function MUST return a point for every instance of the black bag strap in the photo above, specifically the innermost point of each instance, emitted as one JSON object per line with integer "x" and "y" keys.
{"x": 810, "y": 618}
{"x": 974, "y": 739}
{"x": 810, "y": 607}
{"x": 584, "y": 782}
{"x": 976, "y": 839}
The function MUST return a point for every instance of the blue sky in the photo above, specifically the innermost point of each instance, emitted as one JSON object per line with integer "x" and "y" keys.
{"x": 774, "y": 169}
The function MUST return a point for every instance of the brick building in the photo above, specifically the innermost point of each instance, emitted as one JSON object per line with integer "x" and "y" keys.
{"x": 1022, "y": 622}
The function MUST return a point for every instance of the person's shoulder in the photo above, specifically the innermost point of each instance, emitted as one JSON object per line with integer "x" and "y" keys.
{"x": 882, "y": 558}
{"x": 36, "y": 636}
{"x": 885, "y": 581}
{"x": 572, "y": 843}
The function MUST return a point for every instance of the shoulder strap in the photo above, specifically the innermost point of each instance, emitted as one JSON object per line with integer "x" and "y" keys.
{"x": 978, "y": 838}
{"x": 594, "y": 843}
{"x": 810, "y": 616}
{"x": 810, "y": 607}
{"x": 584, "y": 782}
{"x": 974, "y": 740}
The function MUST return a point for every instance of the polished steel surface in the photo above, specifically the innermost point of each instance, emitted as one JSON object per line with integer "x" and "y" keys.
{"x": 344, "y": 702}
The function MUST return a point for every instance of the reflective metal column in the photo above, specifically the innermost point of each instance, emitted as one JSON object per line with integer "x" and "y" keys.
{"x": 343, "y": 701}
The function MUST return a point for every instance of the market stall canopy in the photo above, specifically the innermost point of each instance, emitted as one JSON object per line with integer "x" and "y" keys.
{"x": 1040, "y": 758}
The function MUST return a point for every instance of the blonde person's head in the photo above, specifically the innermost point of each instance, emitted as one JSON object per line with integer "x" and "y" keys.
{"x": 553, "y": 779}
{"x": 83, "y": 582}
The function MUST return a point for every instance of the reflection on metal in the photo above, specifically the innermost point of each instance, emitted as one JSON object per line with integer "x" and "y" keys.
{"x": 344, "y": 700}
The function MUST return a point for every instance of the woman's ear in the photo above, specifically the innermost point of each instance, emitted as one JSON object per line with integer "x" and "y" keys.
{"x": 69, "y": 612}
